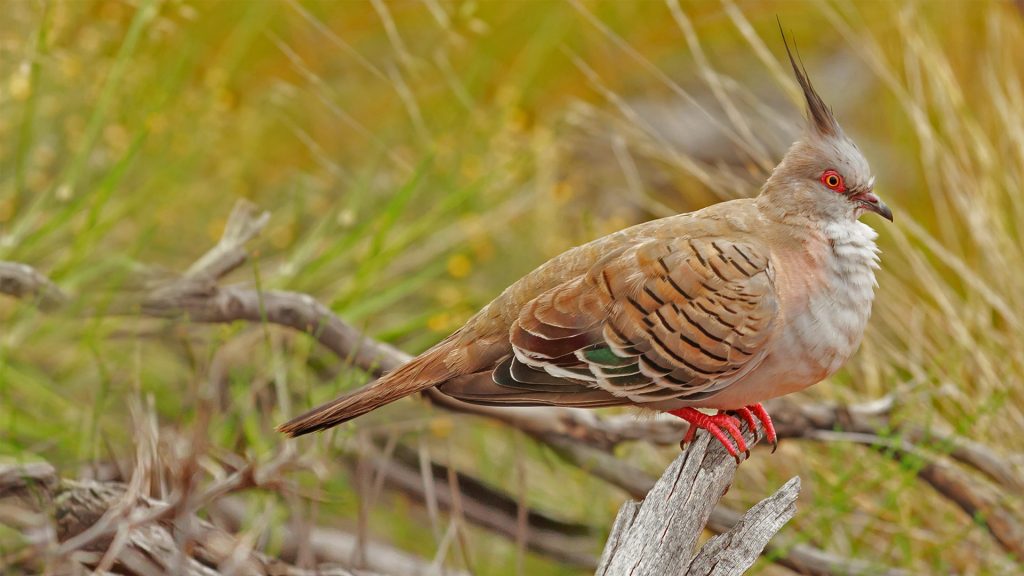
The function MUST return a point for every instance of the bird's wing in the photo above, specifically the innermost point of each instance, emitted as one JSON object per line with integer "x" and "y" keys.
{"x": 659, "y": 320}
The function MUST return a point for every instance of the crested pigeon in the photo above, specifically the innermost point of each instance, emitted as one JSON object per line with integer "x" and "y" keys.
{"x": 721, "y": 308}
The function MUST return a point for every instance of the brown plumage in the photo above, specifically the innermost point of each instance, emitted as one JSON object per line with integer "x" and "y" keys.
{"x": 721, "y": 308}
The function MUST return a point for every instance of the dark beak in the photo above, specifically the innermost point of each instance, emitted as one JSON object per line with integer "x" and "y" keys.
{"x": 873, "y": 203}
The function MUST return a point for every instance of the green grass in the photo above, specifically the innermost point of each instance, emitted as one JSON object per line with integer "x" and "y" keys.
{"x": 413, "y": 177}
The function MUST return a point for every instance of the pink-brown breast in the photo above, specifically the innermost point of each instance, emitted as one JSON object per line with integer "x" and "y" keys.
{"x": 825, "y": 284}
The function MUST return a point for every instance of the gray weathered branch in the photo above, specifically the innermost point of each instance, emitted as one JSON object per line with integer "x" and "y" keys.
{"x": 24, "y": 282}
{"x": 733, "y": 551}
{"x": 659, "y": 535}
{"x": 35, "y": 499}
{"x": 797, "y": 556}
{"x": 244, "y": 223}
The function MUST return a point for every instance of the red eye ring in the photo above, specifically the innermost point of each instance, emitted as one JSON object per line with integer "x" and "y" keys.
{"x": 833, "y": 181}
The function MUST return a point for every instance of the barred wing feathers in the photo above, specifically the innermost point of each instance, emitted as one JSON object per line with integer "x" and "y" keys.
{"x": 661, "y": 320}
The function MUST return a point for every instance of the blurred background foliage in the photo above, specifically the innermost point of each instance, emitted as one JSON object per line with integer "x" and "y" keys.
{"x": 417, "y": 157}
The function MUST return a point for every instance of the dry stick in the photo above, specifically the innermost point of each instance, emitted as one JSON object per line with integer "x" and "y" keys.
{"x": 734, "y": 551}
{"x": 659, "y": 535}
{"x": 244, "y": 223}
{"x": 969, "y": 452}
{"x": 24, "y": 282}
{"x": 182, "y": 504}
{"x": 801, "y": 558}
{"x": 331, "y": 546}
{"x": 146, "y": 549}
{"x": 801, "y": 420}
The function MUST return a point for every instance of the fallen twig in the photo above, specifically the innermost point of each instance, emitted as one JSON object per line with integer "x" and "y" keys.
{"x": 150, "y": 547}
{"x": 24, "y": 282}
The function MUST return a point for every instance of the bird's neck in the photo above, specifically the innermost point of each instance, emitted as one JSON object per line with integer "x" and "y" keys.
{"x": 844, "y": 253}
{"x": 788, "y": 209}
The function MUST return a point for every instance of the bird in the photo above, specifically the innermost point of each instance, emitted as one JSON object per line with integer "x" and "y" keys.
{"x": 702, "y": 315}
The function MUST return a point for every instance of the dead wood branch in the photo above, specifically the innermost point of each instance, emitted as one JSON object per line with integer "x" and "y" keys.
{"x": 980, "y": 502}
{"x": 244, "y": 223}
{"x": 32, "y": 496}
{"x": 799, "y": 557}
{"x": 659, "y": 535}
{"x": 24, "y": 282}
{"x": 731, "y": 552}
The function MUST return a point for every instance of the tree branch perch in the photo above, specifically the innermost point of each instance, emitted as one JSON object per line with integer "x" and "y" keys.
{"x": 658, "y": 536}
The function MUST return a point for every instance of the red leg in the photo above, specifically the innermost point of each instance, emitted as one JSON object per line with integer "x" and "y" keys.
{"x": 766, "y": 421}
{"x": 717, "y": 426}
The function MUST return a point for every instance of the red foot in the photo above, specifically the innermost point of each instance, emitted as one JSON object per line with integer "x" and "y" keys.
{"x": 747, "y": 417}
{"x": 725, "y": 420}
{"x": 749, "y": 413}
{"x": 714, "y": 425}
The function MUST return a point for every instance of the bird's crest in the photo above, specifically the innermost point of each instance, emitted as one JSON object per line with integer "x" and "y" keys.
{"x": 820, "y": 115}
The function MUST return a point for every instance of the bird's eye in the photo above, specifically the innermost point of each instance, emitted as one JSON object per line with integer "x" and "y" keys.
{"x": 832, "y": 180}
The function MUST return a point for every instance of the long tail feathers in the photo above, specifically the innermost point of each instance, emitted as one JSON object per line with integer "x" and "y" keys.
{"x": 419, "y": 374}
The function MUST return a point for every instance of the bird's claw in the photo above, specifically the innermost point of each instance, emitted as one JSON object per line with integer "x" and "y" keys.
{"x": 754, "y": 413}
{"x": 758, "y": 411}
{"x": 722, "y": 426}
{"x": 747, "y": 416}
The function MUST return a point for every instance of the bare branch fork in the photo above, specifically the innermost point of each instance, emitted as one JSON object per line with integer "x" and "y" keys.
{"x": 658, "y": 535}
{"x": 581, "y": 437}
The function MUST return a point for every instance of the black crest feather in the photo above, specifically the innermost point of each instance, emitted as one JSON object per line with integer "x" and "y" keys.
{"x": 821, "y": 117}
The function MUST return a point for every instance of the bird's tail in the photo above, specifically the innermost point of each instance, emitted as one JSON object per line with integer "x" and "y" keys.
{"x": 418, "y": 374}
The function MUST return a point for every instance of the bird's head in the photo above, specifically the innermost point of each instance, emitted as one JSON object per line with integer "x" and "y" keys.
{"x": 823, "y": 177}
